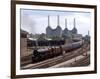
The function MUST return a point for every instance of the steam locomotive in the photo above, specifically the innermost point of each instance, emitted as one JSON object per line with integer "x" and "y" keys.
{"x": 43, "y": 54}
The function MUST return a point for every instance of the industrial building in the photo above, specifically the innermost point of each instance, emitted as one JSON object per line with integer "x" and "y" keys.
{"x": 59, "y": 33}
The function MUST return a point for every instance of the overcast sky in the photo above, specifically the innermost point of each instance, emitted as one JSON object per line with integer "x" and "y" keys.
{"x": 36, "y": 21}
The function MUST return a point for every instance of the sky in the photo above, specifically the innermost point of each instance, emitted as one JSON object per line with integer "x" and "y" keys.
{"x": 35, "y": 21}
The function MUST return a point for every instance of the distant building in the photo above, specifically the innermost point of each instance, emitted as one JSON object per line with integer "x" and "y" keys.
{"x": 23, "y": 43}
{"x": 87, "y": 38}
{"x": 58, "y": 32}
{"x": 30, "y": 35}
{"x": 42, "y": 37}
{"x": 77, "y": 36}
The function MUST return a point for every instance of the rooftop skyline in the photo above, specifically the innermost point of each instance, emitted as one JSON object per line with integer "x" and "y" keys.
{"x": 36, "y": 21}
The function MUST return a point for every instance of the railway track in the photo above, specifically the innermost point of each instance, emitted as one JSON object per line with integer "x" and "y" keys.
{"x": 55, "y": 60}
{"x": 74, "y": 62}
{"x": 84, "y": 62}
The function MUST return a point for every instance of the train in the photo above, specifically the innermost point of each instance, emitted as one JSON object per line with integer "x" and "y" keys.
{"x": 47, "y": 53}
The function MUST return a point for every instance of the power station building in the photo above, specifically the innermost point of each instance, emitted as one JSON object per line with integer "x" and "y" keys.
{"x": 58, "y": 32}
